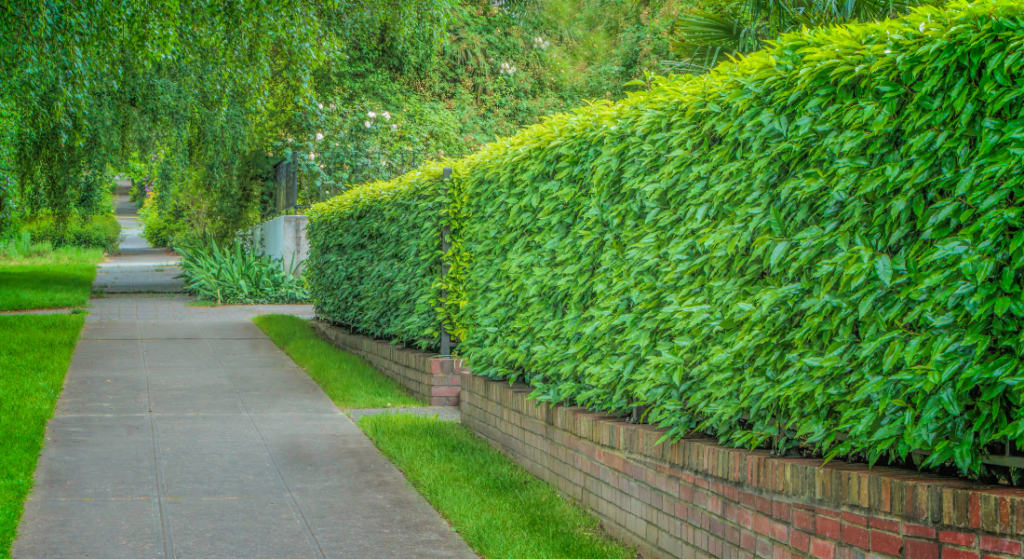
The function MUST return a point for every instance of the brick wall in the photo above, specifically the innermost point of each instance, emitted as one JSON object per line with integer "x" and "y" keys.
{"x": 694, "y": 499}
{"x": 436, "y": 379}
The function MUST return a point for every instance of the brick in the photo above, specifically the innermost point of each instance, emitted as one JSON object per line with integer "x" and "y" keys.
{"x": 782, "y": 553}
{"x": 855, "y": 518}
{"x": 918, "y": 531}
{"x": 800, "y": 540}
{"x": 1000, "y": 545}
{"x": 883, "y": 524}
{"x": 827, "y": 527}
{"x": 744, "y": 518}
{"x": 883, "y": 542}
{"x": 780, "y": 511}
{"x": 957, "y": 538}
{"x": 780, "y": 532}
{"x": 748, "y": 540}
{"x": 822, "y": 549}
{"x": 856, "y": 536}
{"x": 441, "y": 391}
{"x": 764, "y": 549}
{"x": 761, "y": 524}
{"x": 953, "y": 553}
{"x": 917, "y": 549}
{"x": 747, "y": 499}
{"x": 803, "y": 520}
{"x": 763, "y": 505}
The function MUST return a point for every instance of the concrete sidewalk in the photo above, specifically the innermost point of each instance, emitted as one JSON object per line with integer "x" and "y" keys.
{"x": 198, "y": 438}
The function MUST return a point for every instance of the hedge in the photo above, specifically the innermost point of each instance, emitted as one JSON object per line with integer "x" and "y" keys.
{"x": 374, "y": 257}
{"x": 87, "y": 232}
{"x": 824, "y": 237}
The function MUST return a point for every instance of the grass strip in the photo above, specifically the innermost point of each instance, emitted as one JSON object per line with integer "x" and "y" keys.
{"x": 499, "y": 508}
{"x": 34, "y": 357}
{"x": 346, "y": 379}
{"x": 46, "y": 286}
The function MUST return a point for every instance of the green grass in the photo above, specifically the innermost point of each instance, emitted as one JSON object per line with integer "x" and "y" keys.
{"x": 346, "y": 379}
{"x": 43, "y": 287}
{"x": 58, "y": 278}
{"x": 500, "y": 509}
{"x": 34, "y": 357}
{"x": 60, "y": 256}
{"x": 201, "y": 303}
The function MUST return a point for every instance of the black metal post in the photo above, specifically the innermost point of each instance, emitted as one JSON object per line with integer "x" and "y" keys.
{"x": 446, "y": 340}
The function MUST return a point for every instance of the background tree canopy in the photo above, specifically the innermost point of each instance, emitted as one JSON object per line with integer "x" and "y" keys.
{"x": 197, "y": 99}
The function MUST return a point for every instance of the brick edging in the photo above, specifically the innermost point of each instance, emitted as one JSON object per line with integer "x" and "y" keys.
{"x": 432, "y": 377}
{"x": 694, "y": 498}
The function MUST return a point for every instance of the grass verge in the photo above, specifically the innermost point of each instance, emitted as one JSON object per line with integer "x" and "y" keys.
{"x": 34, "y": 357}
{"x": 59, "y": 278}
{"x": 45, "y": 287}
{"x": 500, "y": 509}
{"x": 346, "y": 379}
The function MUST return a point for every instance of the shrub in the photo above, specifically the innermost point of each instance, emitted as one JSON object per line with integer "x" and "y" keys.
{"x": 380, "y": 277}
{"x": 84, "y": 232}
{"x": 237, "y": 275}
{"x": 822, "y": 238}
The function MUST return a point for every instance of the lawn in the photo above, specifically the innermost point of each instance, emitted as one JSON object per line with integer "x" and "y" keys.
{"x": 34, "y": 356}
{"x": 346, "y": 379}
{"x": 61, "y": 278}
{"x": 500, "y": 509}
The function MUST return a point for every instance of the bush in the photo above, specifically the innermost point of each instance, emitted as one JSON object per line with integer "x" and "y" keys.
{"x": 825, "y": 237}
{"x": 89, "y": 232}
{"x": 380, "y": 277}
{"x": 237, "y": 275}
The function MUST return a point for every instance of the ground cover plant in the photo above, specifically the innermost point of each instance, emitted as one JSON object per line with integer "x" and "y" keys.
{"x": 235, "y": 274}
{"x": 824, "y": 237}
{"x": 349, "y": 381}
{"x": 499, "y": 508}
{"x": 34, "y": 357}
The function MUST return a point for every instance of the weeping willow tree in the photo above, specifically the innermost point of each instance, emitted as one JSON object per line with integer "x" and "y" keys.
{"x": 702, "y": 38}
{"x": 201, "y": 83}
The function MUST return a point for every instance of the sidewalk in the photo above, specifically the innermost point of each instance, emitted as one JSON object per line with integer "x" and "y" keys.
{"x": 196, "y": 437}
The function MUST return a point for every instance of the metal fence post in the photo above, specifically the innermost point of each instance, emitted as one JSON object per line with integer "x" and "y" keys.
{"x": 446, "y": 340}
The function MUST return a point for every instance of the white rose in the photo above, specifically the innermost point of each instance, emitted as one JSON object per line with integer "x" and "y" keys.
{"x": 386, "y": 115}
{"x": 371, "y": 114}
{"x": 367, "y": 124}
{"x": 319, "y": 137}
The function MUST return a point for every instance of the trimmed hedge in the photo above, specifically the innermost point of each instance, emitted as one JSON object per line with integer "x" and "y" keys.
{"x": 374, "y": 257}
{"x": 89, "y": 232}
{"x": 825, "y": 237}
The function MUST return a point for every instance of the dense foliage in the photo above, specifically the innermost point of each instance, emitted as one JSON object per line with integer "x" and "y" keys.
{"x": 201, "y": 85}
{"x": 380, "y": 277}
{"x": 86, "y": 232}
{"x": 235, "y": 274}
{"x": 823, "y": 238}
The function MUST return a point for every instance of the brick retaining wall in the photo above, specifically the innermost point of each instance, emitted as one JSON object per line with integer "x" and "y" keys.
{"x": 694, "y": 499}
{"x": 434, "y": 378}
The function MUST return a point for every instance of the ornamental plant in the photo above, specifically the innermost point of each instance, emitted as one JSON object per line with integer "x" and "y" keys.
{"x": 821, "y": 238}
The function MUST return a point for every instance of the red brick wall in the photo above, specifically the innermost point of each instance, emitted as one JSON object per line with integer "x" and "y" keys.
{"x": 436, "y": 379}
{"x": 694, "y": 499}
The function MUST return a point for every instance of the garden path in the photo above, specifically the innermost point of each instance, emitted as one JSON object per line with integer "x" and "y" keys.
{"x": 139, "y": 268}
{"x": 185, "y": 432}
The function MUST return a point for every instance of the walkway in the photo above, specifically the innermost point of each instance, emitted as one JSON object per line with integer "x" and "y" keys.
{"x": 196, "y": 437}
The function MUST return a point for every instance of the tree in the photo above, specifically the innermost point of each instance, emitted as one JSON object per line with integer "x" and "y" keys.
{"x": 703, "y": 38}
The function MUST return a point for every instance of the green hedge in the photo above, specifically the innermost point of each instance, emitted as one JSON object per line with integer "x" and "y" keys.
{"x": 373, "y": 263}
{"x": 88, "y": 232}
{"x": 825, "y": 237}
